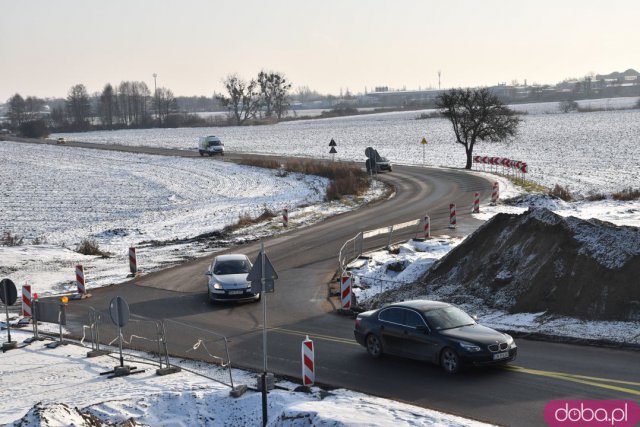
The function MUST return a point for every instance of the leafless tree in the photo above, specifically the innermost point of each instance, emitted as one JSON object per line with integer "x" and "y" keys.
{"x": 165, "y": 103}
{"x": 243, "y": 100}
{"x": 78, "y": 106}
{"x": 107, "y": 106}
{"x": 17, "y": 110}
{"x": 477, "y": 114}
{"x": 274, "y": 89}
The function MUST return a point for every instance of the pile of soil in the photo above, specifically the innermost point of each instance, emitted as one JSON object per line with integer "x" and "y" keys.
{"x": 541, "y": 262}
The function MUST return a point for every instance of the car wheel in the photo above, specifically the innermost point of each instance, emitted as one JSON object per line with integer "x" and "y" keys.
{"x": 449, "y": 360}
{"x": 210, "y": 153}
{"x": 258, "y": 297}
{"x": 374, "y": 346}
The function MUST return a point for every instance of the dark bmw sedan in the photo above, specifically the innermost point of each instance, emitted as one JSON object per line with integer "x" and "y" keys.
{"x": 434, "y": 331}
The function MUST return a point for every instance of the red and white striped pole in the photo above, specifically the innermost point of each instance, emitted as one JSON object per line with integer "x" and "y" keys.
{"x": 345, "y": 291}
{"x": 495, "y": 193}
{"x": 308, "y": 363}
{"x": 133, "y": 261}
{"x": 80, "y": 280}
{"x": 285, "y": 217}
{"x": 452, "y": 215}
{"x": 476, "y": 203}
{"x": 427, "y": 227}
{"x": 26, "y": 301}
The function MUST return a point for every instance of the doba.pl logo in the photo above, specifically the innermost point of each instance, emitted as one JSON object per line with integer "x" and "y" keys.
{"x": 592, "y": 413}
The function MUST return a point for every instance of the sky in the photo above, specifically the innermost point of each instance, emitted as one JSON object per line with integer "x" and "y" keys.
{"x": 331, "y": 45}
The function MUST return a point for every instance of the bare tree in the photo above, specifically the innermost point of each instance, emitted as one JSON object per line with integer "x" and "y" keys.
{"x": 17, "y": 110}
{"x": 165, "y": 103}
{"x": 243, "y": 100}
{"x": 107, "y": 106}
{"x": 33, "y": 108}
{"x": 274, "y": 89}
{"x": 477, "y": 114}
{"x": 78, "y": 106}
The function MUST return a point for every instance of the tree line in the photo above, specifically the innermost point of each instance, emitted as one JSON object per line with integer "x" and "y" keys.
{"x": 131, "y": 104}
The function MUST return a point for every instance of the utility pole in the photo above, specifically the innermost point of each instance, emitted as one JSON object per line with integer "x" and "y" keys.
{"x": 438, "y": 79}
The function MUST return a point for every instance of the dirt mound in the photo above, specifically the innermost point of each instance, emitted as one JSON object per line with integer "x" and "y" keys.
{"x": 539, "y": 261}
{"x": 60, "y": 414}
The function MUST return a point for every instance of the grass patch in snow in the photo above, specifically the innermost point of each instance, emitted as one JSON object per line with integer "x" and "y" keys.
{"x": 91, "y": 247}
{"x": 346, "y": 179}
{"x": 526, "y": 185}
{"x": 627, "y": 194}
{"x": 245, "y": 219}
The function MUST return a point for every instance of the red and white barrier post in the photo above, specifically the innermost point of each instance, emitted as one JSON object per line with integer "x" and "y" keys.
{"x": 308, "y": 363}
{"x": 476, "y": 203}
{"x": 133, "y": 261}
{"x": 82, "y": 290}
{"x": 427, "y": 227}
{"x": 345, "y": 290}
{"x": 452, "y": 215}
{"x": 285, "y": 217}
{"x": 495, "y": 193}
{"x": 26, "y": 301}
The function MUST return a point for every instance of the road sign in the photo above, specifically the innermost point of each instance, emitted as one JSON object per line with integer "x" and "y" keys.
{"x": 332, "y": 143}
{"x": 424, "y": 141}
{"x": 333, "y": 150}
{"x": 368, "y": 152}
{"x": 255, "y": 275}
{"x": 8, "y": 292}
{"x": 119, "y": 311}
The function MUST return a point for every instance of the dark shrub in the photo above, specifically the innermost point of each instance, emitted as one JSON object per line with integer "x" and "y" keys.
{"x": 34, "y": 129}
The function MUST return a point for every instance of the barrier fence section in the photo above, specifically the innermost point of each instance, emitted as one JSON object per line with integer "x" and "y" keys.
{"x": 353, "y": 247}
{"x": 150, "y": 339}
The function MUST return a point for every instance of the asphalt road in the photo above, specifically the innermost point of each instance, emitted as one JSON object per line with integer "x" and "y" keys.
{"x": 306, "y": 260}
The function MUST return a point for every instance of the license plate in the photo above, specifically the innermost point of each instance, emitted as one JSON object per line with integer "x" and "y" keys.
{"x": 499, "y": 356}
{"x": 235, "y": 292}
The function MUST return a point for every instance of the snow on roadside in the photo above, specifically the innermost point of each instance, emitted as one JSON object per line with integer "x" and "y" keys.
{"x": 49, "y": 383}
{"x": 380, "y": 272}
{"x": 61, "y": 195}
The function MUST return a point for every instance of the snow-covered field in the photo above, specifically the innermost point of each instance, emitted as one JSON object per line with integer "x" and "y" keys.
{"x": 587, "y": 151}
{"x": 54, "y": 387}
{"x": 62, "y": 195}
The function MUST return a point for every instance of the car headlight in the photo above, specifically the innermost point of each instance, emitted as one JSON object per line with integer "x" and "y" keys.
{"x": 467, "y": 346}
{"x": 510, "y": 341}
{"x": 217, "y": 286}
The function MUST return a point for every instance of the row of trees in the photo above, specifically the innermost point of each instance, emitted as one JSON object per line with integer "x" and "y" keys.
{"x": 130, "y": 104}
{"x": 267, "y": 95}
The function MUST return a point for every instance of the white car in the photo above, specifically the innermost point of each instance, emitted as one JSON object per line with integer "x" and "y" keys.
{"x": 228, "y": 279}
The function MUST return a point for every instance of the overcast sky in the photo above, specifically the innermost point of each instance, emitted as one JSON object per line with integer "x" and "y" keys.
{"x": 47, "y": 46}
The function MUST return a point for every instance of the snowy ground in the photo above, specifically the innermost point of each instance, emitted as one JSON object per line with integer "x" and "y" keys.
{"x": 415, "y": 258}
{"x": 61, "y": 195}
{"x": 42, "y": 387}
{"x": 589, "y": 152}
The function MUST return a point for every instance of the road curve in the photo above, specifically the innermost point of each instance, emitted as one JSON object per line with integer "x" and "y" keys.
{"x": 306, "y": 260}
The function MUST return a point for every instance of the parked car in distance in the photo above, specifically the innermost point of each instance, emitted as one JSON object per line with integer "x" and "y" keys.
{"x": 210, "y": 145}
{"x": 228, "y": 279}
{"x": 432, "y": 331}
{"x": 61, "y": 140}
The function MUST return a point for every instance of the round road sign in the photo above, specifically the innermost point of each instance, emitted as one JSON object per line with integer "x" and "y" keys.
{"x": 8, "y": 292}
{"x": 119, "y": 311}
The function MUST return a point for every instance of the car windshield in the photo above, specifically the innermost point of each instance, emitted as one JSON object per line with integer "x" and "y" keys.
{"x": 233, "y": 266}
{"x": 448, "y": 318}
